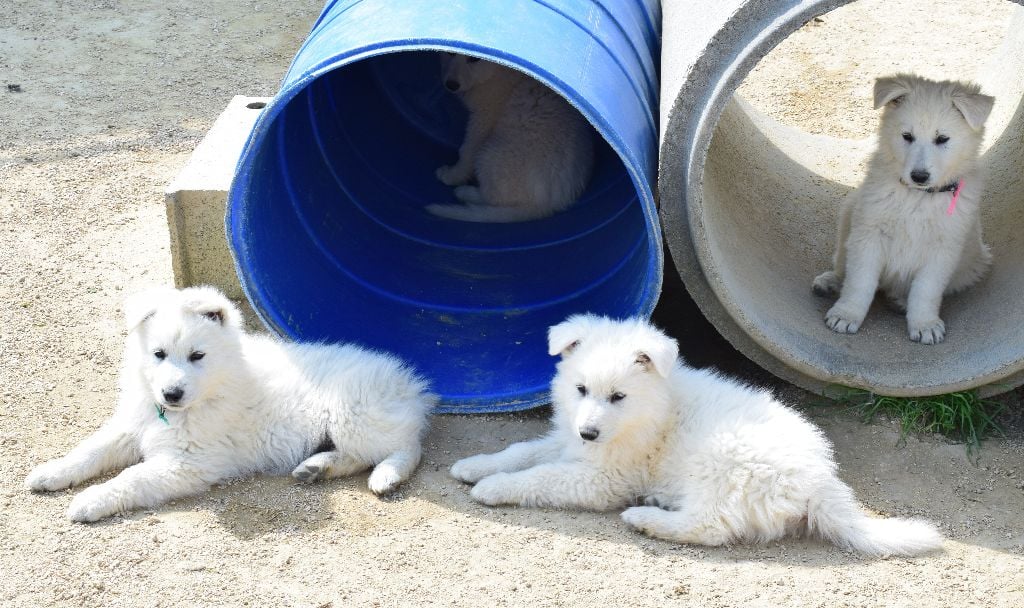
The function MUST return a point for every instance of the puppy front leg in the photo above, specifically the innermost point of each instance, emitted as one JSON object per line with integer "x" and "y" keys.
{"x": 462, "y": 171}
{"x": 515, "y": 457}
{"x": 863, "y": 269}
{"x": 925, "y": 300}
{"x": 107, "y": 449}
{"x": 147, "y": 484}
{"x": 560, "y": 485}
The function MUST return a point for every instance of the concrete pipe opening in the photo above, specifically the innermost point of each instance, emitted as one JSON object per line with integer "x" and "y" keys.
{"x": 749, "y": 202}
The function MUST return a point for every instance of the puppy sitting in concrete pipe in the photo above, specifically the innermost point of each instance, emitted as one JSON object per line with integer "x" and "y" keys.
{"x": 913, "y": 227}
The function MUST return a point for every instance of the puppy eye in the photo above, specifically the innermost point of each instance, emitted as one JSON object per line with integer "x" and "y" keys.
{"x": 160, "y": 354}
{"x": 941, "y": 139}
{"x": 472, "y": 59}
{"x": 196, "y": 356}
{"x": 582, "y": 389}
{"x": 615, "y": 397}
{"x": 908, "y": 137}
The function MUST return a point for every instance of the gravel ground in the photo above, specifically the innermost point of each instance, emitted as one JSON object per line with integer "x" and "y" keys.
{"x": 113, "y": 96}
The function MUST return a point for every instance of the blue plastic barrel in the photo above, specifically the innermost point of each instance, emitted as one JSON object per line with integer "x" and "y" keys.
{"x": 325, "y": 215}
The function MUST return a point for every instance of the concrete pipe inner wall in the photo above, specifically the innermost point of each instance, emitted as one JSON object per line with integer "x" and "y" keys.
{"x": 749, "y": 207}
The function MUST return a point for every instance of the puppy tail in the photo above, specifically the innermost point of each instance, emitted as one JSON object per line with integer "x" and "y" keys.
{"x": 488, "y": 214}
{"x": 837, "y": 517}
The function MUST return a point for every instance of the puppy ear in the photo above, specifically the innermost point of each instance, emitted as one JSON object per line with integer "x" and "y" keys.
{"x": 567, "y": 335}
{"x": 211, "y": 304}
{"x": 890, "y": 89}
{"x": 141, "y": 306}
{"x": 974, "y": 106}
{"x": 659, "y": 354}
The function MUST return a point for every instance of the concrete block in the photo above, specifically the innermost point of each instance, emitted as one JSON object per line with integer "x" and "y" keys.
{"x": 196, "y": 201}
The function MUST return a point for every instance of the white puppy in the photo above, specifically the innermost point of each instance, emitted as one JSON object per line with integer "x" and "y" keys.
{"x": 913, "y": 228}
{"x": 530, "y": 151}
{"x": 719, "y": 462}
{"x": 200, "y": 402}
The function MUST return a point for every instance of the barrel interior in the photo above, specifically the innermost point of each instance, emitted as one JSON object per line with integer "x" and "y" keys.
{"x": 333, "y": 243}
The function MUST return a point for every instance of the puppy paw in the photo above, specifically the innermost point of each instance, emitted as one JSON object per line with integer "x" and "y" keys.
{"x": 49, "y": 477}
{"x": 491, "y": 490}
{"x": 453, "y": 175}
{"x": 469, "y": 195}
{"x": 91, "y": 504}
{"x": 384, "y": 479}
{"x": 448, "y": 211}
{"x": 307, "y": 472}
{"x": 643, "y": 519}
{"x": 842, "y": 321}
{"x": 470, "y": 470}
{"x": 928, "y": 332}
{"x": 827, "y": 284}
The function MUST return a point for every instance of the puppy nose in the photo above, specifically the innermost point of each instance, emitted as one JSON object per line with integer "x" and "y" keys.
{"x": 173, "y": 395}
{"x": 589, "y": 434}
{"x": 451, "y": 85}
{"x": 919, "y": 176}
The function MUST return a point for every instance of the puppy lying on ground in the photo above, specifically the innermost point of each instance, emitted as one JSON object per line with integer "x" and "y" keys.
{"x": 716, "y": 462}
{"x": 200, "y": 402}
{"x": 913, "y": 228}
{"x": 530, "y": 151}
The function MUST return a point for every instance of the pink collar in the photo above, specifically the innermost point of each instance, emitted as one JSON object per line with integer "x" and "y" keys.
{"x": 956, "y": 195}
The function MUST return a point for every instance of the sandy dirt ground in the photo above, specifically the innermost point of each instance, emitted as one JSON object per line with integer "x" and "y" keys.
{"x": 113, "y": 96}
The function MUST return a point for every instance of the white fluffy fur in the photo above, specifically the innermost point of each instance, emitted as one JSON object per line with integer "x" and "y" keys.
{"x": 250, "y": 404}
{"x": 896, "y": 236}
{"x": 530, "y": 151}
{"x": 714, "y": 461}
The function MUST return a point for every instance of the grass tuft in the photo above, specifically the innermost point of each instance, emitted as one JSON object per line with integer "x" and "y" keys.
{"x": 962, "y": 416}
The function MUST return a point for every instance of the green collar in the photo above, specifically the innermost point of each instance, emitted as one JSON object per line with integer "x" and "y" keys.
{"x": 160, "y": 413}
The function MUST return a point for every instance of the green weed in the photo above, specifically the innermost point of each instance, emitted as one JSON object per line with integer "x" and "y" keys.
{"x": 962, "y": 416}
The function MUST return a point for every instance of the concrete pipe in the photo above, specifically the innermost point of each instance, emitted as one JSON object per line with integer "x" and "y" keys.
{"x": 749, "y": 211}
